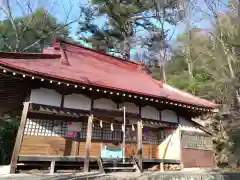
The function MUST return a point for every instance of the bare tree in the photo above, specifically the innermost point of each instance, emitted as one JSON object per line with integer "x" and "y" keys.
{"x": 220, "y": 60}
{"x": 27, "y": 8}
{"x": 155, "y": 46}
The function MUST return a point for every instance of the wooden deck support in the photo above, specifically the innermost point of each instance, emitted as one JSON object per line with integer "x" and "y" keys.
{"x": 139, "y": 139}
{"x": 88, "y": 143}
{"x": 19, "y": 138}
{"x": 52, "y": 167}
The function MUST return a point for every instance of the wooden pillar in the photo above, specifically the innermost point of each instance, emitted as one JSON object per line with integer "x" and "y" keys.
{"x": 18, "y": 141}
{"x": 77, "y": 144}
{"x": 88, "y": 143}
{"x": 139, "y": 139}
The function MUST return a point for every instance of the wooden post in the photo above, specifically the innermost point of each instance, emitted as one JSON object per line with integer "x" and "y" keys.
{"x": 52, "y": 167}
{"x": 77, "y": 144}
{"x": 18, "y": 141}
{"x": 139, "y": 138}
{"x": 88, "y": 143}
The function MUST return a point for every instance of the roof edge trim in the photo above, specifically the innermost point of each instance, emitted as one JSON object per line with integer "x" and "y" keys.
{"x": 20, "y": 55}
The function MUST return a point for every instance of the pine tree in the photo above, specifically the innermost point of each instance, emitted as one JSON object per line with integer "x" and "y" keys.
{"x": 123, "y": 21}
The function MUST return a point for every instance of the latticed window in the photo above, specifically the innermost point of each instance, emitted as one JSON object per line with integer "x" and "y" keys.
{"x": 83, "y": 133}
{"x": 164, "y": 133}
{"x": 196, "y": 142}
{"x": 117, "y": 133}
{"x": 106, "y": 132}
{"x": 150, "y": 135}
{"x": 131, "y": 136}
{"x": 40, "y": 127}
{"x": 97, "y": 132}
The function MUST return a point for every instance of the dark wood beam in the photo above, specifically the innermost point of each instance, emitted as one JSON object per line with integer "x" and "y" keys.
{"x": 88, "y": 143}
{"x": 178, "y": 119}
{"x": 139, "y": 139}
{"x": 62, "y": 100}
{"x": 19, "y": 138}
{"x": 160, "y": 115}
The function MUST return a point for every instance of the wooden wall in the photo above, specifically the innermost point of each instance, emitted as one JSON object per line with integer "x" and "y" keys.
{"x": 55, "y": 146}
{"x": 41, "y": 145}
{"x": 198, "y": 158}
{"x": 150, "y": 151}
{"x": 59, "y": 146}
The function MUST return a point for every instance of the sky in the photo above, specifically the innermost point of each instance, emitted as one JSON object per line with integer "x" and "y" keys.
{"x": 60, "y": 8}
{"x": 197, "y": 20}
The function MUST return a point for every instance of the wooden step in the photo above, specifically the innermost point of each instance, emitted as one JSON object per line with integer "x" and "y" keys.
{"x": 116, "y": 159}
{"x": 127, "y": 163}
{"x": 121, "y": 168}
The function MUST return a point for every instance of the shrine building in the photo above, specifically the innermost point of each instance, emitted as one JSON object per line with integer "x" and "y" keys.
{"x": 85, "y": 110}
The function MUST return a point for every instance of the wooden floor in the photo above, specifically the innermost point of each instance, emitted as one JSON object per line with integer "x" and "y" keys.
{"x": 82, "y": 158}
{"x": 63, "y": 164}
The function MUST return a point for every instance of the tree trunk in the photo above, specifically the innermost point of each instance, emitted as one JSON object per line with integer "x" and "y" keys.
{"x": 189, "y": 62}
{"x": 127, "y": 40}
{"x": 238, "y": 15}
{"x": 189, "y": 59}
{"x": 126, "y": 48}
{"x": 164, "y": 74}
{"x": 230, "y": 59}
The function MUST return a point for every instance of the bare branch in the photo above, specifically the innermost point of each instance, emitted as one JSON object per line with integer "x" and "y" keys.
{"x": 67, "y": 14}
{"x": 27, "y": 25}
{"x": 8, "y": 12}
{"x": 50, "y": 33}
{"x": 21, "y": 7}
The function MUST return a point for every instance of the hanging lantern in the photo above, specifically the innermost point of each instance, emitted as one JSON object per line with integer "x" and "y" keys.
{"x": 101, "y": 124}
{"x": 122, "y": 128}
{"x": 133, "y": 129}
{"x": 112, "y": 127}
{"x": 93, "y": 125}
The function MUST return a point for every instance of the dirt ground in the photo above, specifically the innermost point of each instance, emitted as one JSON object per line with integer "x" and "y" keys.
{"x": 196, "y": 175}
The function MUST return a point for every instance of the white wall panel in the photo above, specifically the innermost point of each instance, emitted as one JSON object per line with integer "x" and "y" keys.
{"x": 46, "y": 97}
{"x": 131, "y": 107}
{"x": 77, "y": 101}
{"x": 103, "y": 103}
{"x": 150, "y": 113}
{"x": 169, "y": 116}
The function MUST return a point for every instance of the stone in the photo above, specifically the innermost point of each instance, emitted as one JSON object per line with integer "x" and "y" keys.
{"x": 154, "y": 168}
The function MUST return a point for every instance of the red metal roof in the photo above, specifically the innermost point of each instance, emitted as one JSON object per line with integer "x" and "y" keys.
{"x": 83, "y": 65}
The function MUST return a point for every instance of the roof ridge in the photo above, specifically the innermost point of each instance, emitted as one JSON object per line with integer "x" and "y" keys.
{"x": 60, "y": 39}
